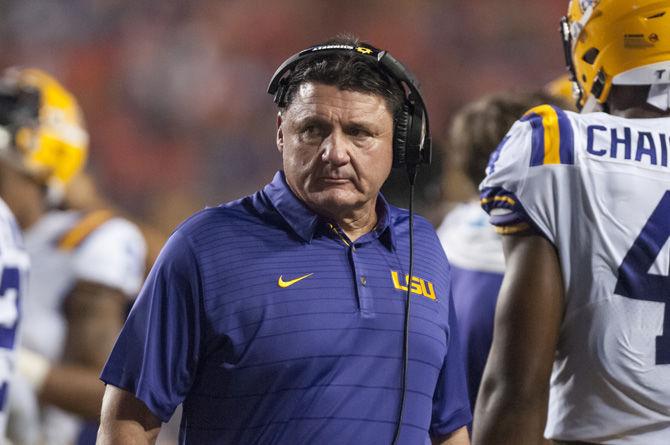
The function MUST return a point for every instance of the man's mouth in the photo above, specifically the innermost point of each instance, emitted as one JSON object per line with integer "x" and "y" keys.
{"x": 335, "y": 181}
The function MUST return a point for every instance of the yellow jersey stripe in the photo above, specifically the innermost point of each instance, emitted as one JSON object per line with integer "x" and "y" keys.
{"x": 510, "y": 230}
{"x": 506, "y": 199}
{"x": 552, "y": 134}
{"x": 73, "y": 238}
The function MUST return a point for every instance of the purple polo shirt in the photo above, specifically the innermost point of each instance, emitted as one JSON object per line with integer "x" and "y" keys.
{"x": 271, "y": 327}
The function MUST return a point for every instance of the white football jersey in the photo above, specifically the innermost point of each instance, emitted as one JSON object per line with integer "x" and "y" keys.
{"x": 598, "y": 187}
{"x": 469, "y": 241}
{"x": 13, "y": 282}
{"x": 66, "y": 247}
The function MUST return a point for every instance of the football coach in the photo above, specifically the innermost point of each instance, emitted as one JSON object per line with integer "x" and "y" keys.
{"x": 280, "y": 318}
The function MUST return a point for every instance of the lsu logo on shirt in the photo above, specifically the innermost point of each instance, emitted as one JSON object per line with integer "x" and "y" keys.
{"x": 418, "y": 286}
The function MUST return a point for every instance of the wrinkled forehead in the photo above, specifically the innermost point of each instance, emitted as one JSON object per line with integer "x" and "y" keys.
{"x": 323, "y": 98}
{"x": 309, "y": 86}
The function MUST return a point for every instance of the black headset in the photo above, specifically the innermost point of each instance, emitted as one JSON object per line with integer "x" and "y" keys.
{"x": 411, "y": 132}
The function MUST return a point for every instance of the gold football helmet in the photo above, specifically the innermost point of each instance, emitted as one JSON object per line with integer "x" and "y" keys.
{"x": 41, "y": 127}
{"x": 620, "y": 42}
{"x": 564, "y": 89}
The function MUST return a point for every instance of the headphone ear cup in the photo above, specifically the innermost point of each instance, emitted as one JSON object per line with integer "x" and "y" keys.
{"x": 401, "y": 127}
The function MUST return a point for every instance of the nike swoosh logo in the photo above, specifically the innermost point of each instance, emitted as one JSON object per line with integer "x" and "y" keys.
{"x": 283, "y": 283}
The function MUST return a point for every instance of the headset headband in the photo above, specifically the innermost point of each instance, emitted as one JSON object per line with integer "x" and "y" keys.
{"x": 389, "y": 65}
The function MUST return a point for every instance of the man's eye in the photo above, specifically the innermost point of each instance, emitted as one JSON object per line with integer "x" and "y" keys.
{"x": 311, "y": 131}
{"x": 358, "y": 132}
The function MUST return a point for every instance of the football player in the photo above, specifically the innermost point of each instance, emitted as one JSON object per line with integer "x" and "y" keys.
{"x": 85, "y": 266}
{"x": 474, "y": 249}
{"x": 581, "y": 345}
{"x": 13, "y": 256}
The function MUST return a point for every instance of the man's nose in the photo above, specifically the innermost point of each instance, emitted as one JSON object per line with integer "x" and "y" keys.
{"x": 335, "y": 148}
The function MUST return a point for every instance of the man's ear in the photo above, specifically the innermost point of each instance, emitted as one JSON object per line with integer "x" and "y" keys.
{"x": 280, "y": 134}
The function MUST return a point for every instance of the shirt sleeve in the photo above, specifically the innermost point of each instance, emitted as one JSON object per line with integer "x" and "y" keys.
{"x": 451, "y": 406}
{"x": 113, "y": 255}
{"x": 525, "y": 169}
{"x": 157, "y": 352}
{"x": 505, "y": 177}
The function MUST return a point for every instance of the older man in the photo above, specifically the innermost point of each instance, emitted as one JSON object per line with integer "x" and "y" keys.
{"x": 279, "y": 318}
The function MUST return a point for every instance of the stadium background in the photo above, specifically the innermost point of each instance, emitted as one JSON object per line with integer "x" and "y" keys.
{"x": 174, "y": 91}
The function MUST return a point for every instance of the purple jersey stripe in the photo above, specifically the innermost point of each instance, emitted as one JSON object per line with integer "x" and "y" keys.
{"x": 566, "y": 147}
{"x": 537, "y": 144}
{"x": 495, "y": 155}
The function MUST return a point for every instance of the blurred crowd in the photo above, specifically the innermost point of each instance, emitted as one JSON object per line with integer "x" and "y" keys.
{"x": 174, "y": 91}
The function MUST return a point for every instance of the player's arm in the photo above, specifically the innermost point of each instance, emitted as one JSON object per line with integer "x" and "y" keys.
{"x": 458, "y": 437}
{"x": 95, "y": 314}
{"x": 512, "y": 403}
{"x": 126, "y": 420}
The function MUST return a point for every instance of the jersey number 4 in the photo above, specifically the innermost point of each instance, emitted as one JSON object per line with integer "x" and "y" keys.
{"x": 636, "y": 282}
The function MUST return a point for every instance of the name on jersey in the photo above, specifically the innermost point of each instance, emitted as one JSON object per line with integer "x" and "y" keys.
{"x": 624, "y": 143}
{"x": 418, "y": 285}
